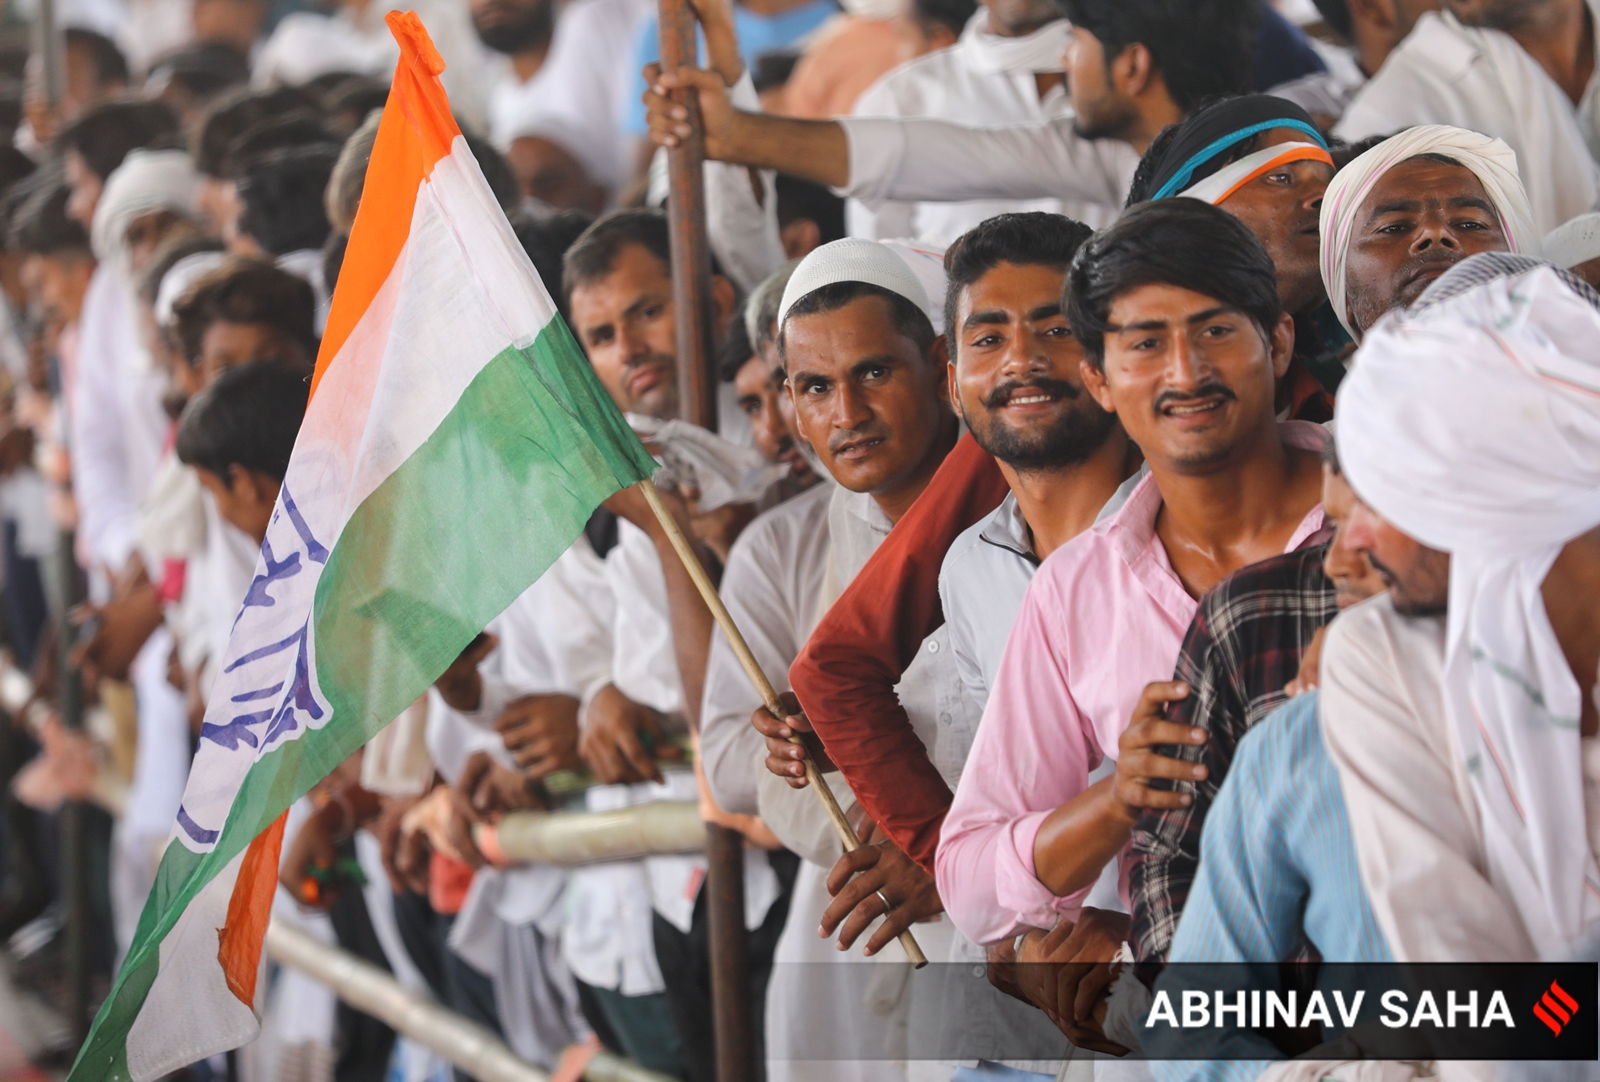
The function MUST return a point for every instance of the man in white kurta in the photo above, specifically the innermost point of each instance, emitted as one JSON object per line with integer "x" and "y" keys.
{"x": 1482, "y": 80}
{"x": 987, "y": 78}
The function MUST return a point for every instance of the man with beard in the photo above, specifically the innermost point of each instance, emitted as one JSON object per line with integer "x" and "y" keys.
{"x": 1178, "y": 312}
{"x": 520, "y": 31}
{"x": 1134, "y": 67}
{"x": 1402, "y": 214}
{"x": 1519, "y": 70}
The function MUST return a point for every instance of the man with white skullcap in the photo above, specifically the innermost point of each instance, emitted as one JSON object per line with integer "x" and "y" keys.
{"x": 1460, "y": 709}
{"x": 867, "y": 375}
{"x": 1412, "y": 207}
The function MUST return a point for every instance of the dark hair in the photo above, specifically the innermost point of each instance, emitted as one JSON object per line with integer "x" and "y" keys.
{"x": 167, "y": 256}
{"x": 496, "y": 170}
{"x": 594, "y": 253}
{"x": 772, "y": 69}
{"x": 246, "y": 291}
{"x": 231, "y": 115}
{"x": 110, "y": 66}
{"x": 40, "y": 226}
{"x": 202, "y": 70}
{"x": 736, "y": 349}
{"x": 547, "y": 241}
{"x": 249, "y": 416}
{"x": 909, "y": 320}
{"x": 280, "y": 196}
{"x": 1028, "y": 238}
{"x": 333, "y": 250}
{"x": 353, "y": 100}
{"x": 953, "y": 15}
{"x": 15, "y": 167}
{"x": 1336, "y": 16}
{"x": 799, "y": 199}
{"x": 291, "y": 131}
{"x": 1203, "y": 48}
{"x": 106, "y": 133}
{"x": 1177, "y": 242}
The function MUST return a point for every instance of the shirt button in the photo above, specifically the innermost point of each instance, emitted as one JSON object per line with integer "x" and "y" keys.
{"x": 946, "y": 718}
{"x": 933, "y": 647}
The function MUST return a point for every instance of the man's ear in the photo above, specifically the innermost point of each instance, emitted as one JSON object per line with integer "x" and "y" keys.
{"x": 1094, "y": 381}
{"x": 939, "y": 358}
{"x": 800, "y": 237}
{"x": 952, "y": 387}
{"x": 1282, "y": 345}
{"x": 723, "y": 298}
{"x": 1134, "y": 72}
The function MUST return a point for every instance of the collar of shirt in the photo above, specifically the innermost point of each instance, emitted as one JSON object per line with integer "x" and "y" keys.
{"x": 1131, "y": 532}
{"x": 1006, "y": 528}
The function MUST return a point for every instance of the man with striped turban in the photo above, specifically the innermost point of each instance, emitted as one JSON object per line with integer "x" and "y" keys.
{"x": 1460, "y": 708}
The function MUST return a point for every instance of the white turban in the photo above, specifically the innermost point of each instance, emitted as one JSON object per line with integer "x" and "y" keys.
{"x": 1473, "y": 425}
{"x": 179, "y": 277}
{"x": 1490, "y": 160}
{"x": 147, "y": 181}
{"x": 901, "y": 267}
{"x": 1574, "y": 242}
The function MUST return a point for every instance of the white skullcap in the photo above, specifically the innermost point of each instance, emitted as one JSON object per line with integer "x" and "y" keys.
{"x": 1575, "y": 242}
{"x": 1490, "y": 160}
{"x": 1473, "y": 425}
{"x": 147, "y": 181}
{"x": 179, "y": 277}
{"x": 855, "y": 260}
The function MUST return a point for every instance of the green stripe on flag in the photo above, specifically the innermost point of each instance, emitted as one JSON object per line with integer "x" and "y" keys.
{"x": 444, "y": 544}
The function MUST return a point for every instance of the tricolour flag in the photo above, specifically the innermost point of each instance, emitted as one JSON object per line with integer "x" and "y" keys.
{"x": 455, "y": 444}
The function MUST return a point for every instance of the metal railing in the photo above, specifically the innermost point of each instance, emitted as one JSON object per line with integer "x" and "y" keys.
{"x": 572, "y": 838}
{"x": 462, "y": 1042}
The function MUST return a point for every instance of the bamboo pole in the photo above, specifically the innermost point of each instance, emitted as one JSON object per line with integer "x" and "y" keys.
{"x": 769, "y": 695}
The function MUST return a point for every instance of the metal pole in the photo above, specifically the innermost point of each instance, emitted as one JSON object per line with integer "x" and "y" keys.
{"x": 74, "y": 814}
{"x": 686, "y": 215}
{"x": 732, "y": 1013}
{"x": 463, "y": 1042}
{"x": 46, "y": 45}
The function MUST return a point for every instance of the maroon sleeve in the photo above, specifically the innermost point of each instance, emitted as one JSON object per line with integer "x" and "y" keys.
{"x": 846, "y": 674}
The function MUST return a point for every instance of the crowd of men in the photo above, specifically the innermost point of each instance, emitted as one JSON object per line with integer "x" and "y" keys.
{"x": 1158, "y": 457}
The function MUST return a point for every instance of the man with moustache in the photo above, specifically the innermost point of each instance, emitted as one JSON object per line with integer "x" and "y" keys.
{"x": 640, "y": 674}
{"x": 865, "y": 374}
{"x": 1178, "y": 311}
{"x": 1257, "y": 157}
{"x": 1518, "y": 70}
{"x": 1403, "y": 213}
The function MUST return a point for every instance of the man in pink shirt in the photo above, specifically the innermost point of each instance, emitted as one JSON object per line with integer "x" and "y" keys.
{"x": 1177, "y": 308}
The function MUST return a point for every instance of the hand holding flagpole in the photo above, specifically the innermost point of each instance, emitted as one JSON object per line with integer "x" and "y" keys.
{"x": 752, "y": 668}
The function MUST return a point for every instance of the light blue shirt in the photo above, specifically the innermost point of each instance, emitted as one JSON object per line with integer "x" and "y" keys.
{"x": 757, "y": 34}
{"x": 1277, "y": 866}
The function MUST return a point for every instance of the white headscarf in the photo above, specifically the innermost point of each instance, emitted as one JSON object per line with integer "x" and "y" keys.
{"x": 1574, "y": 242}
{"x": 147, "y": 181}
{"x": 1490, "y": 160}
{"x": 176, "y": 282}
{"x": 1473, "y": 425}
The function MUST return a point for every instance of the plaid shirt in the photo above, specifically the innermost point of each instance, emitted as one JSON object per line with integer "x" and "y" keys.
{"x": 1243, "y": 647}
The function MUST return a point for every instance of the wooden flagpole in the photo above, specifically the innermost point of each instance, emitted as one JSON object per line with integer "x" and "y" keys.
{"x": 769, "y": 695}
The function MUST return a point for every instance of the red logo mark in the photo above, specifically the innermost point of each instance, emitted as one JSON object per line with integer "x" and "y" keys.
{"x": 1555, "y": 1008}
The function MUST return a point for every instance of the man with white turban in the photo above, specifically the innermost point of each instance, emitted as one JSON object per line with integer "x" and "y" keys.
{"x": 1402, "y": 214}
{"x": 1459, "y": 708}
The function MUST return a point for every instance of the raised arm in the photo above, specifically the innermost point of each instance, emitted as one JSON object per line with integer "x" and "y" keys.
{"x": 877, "y": 158}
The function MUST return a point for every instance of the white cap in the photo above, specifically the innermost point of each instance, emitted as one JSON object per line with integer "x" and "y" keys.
{"x": 1574, "y": 242}
{"x": 853, "y": 260}
{"x": 179, "y": 277}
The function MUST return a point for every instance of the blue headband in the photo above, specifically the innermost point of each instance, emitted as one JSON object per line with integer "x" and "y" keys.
{"x": 1180, "y": 179}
